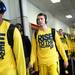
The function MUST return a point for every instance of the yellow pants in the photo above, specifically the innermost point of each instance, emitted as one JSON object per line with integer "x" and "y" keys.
{"x": 36, "y": 66}
{"x": 49, "y": 70}
{"x": 9, "y": 72}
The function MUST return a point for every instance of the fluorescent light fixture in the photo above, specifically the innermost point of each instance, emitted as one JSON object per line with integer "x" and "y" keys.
{"x": 68, "y": 16}
{"x": 55, "y": 1}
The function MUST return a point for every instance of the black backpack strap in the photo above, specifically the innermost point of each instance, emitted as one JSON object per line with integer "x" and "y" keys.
{"x": 53, "y": 33}
{"x": 10, "y": 35}
{"x": 35, "y": 34}
{"x": 64, "y": 36}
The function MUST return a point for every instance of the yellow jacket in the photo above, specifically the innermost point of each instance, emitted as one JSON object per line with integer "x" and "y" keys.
{"x": 43, "y": 47}
{"x": 64, "y": 42}
{"x": 14, "y": 61}
{"x": 69, "y": 44}
{"x": 73, "y": 45}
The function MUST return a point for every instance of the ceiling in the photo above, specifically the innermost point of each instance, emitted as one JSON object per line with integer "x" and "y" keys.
{"x": 59, "y": 10}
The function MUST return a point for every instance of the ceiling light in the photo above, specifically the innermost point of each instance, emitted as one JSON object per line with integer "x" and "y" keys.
{"x": 55, "y": 1}
{"x": 68, "y": 16}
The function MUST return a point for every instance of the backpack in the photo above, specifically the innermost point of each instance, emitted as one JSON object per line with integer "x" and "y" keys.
{"x": 10, "y": 35}
{"x": 25, "y": 40}
{"x": 26, "y": 45}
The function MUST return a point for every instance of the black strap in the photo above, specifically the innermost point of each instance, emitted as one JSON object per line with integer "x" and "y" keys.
{"x": 53, "y": 33}
{"x": 35, "y": 34}
{"x": 64, "y": 36}
{"x": 10, "y": 35}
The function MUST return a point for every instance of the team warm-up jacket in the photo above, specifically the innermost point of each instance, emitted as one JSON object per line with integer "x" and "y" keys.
{"x": 64, "y": 41}
{"x": 13, "y": 58}
{"x": 68, "y": 43}
{"x": 43, "y": 47}
{"x": 73, "y": 45}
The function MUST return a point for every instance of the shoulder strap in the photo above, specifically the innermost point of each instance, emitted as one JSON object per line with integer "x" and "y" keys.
{"x": 64, "y": 36}
{"x": 53, "y": 33}
{"x": 35, "y": 34}
{"x": 10, "y": 35}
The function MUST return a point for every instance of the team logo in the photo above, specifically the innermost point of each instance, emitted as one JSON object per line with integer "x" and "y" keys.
{"x": 45, "y": 40}
{"x": 2, "y": 45}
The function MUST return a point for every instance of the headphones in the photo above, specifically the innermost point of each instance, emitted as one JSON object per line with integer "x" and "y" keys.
{"x": 41, "y": 14}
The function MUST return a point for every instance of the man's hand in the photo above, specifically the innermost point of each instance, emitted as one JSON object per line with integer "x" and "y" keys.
{"x": 32, "y": 71}
{"x": 66, "y": 64}
{"x": 30, "y": 66}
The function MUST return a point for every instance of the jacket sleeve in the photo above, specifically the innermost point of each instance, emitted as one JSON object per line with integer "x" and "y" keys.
{"x": 33, "y": 50}
{"x": 68, "y": 43}
{"x": 60, "y": 47}
{"x": 19, "y": 53}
